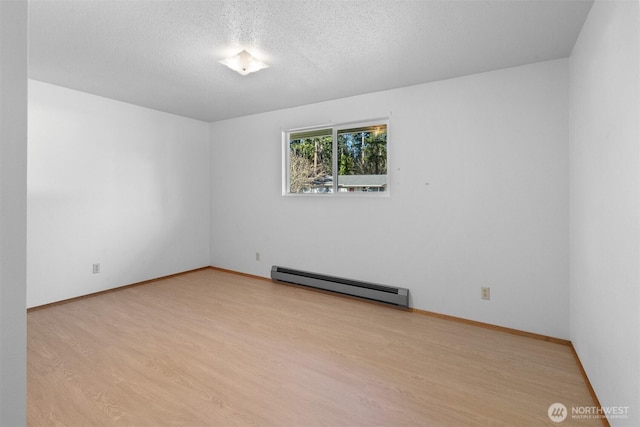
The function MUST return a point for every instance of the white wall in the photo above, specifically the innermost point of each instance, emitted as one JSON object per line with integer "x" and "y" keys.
{"x": 605, "y": 203}
{"x": 493, "y": 148}
{"x": 13, "y": 198}
{"x": 115, "y": 184}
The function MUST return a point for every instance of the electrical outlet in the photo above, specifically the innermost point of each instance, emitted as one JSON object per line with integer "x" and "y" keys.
{"x": 257, "y": 256}
{"x": 96, "y": 268}
{"x": 485, "y": 292}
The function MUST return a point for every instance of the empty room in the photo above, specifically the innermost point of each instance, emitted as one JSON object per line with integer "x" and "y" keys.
{"x": 320, "y": 213}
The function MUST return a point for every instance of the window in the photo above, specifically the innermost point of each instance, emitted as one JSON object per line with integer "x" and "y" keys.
{"x": 349, "y": 158}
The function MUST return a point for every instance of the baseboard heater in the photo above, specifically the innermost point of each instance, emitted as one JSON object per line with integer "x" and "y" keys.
{"x": 372, "y": 291}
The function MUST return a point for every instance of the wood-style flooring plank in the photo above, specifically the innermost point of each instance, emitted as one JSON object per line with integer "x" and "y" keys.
{"x": 210, "y": 348}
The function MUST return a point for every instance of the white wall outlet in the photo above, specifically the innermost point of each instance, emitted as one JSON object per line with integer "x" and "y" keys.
{"x": 485, "y": 292}
{"x": 257, "y": 256}
{"x": 96, "y": 268}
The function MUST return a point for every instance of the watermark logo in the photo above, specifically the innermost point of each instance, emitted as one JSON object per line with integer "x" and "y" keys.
{"x": 557, "y": 412}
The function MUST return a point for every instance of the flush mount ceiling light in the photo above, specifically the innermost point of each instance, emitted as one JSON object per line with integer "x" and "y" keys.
{"x": 244, "y": 63}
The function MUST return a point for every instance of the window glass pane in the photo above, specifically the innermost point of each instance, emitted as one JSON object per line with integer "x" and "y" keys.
{"x": 311, "y": 161}
{"x": 362, "y": 159}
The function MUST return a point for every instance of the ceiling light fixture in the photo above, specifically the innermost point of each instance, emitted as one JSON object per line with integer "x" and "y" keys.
{"x": 244, "y": 63}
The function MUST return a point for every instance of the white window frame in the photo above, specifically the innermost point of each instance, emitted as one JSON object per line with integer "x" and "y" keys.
{"x": 335, "y": 128}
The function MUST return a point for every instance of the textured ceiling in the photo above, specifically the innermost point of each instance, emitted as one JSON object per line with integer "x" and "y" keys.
{"x": 164, "y": 54}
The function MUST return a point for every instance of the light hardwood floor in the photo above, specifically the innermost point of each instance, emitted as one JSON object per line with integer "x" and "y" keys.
{"x": 210, "y": 348}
